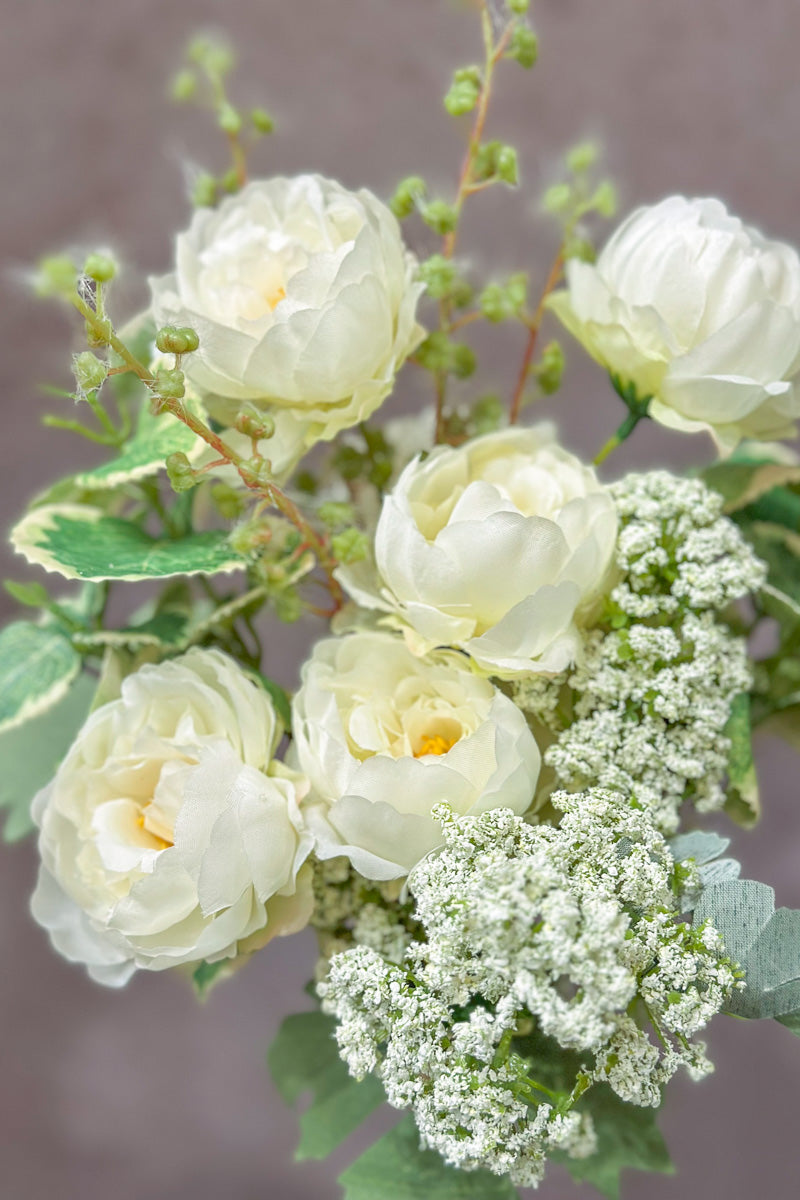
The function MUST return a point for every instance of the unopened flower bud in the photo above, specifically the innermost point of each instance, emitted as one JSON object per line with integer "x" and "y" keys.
{"x": 255, "y": 424}
{"x": 229, "y": 118}
{"x": 174, "y": 340}
{"x": 204, "y": 192}
{"x": 408, "y": 194}
{"x": 170, "y": 383}
{"x": 100, "y": 268}
{"x": 524, "y": 46}
{"x": 350, "y": 546}
{"x": 184, "y": 86}
{"x": 582, "y": 157}
{"x": 519, "y": 7}
{"x": 89, "y": 371}
{"x": 440, "y": 216}
{"x": 257, "y": 472}
{"x": 181, "y": 473}
{"x": 262, "y": 121}
{"x": 57, "y": 276}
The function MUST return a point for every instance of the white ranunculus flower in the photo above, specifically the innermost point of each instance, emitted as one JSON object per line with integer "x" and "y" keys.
{"x": 699, "y": 311}
{"x": 385, "y": 736}
{"x": 163, "y": 839}
{"x": 304, "y": 297}
{"x": 494, "y": 547}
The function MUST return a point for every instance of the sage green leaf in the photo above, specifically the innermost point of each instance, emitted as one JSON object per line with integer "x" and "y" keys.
{"x": 780, "y": 550}
{"x": 744, "y": 484}
{"x": 765, "y": 943}
{"x": 37, "y": 665}
{"x": 628, "y": 1138}
{"x": 395, "y": 1168}
{"x": 701, "y": 845}
{"x": 304, "y": 1058}
{"x": 792, "y": 1022}
{"x": 743, "y": 803}
{"x": 82, "y": 543}
{"x": 30, "y": 754}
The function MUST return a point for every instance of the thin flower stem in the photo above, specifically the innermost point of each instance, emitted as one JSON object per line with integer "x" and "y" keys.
{"x": 270, "y": 491}
{"x": 534, "y": 325}
{"x": 466, "y": 186}
{"x": 623, "y": 433}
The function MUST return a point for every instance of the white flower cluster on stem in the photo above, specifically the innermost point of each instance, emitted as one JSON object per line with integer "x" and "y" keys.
{"x": 653, "y": 694}
{"x": 572, "y": 929}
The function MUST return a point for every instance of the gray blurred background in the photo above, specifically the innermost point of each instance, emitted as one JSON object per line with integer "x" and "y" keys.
{"x": 144, "y": 1093}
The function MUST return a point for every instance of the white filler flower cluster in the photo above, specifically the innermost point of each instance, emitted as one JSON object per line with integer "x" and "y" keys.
{"x": 654, "y": 692}
{"x": 572, "y": 928}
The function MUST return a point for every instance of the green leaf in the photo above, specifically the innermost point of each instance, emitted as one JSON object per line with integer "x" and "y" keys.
{"x": 743, "y": 803}
{"x": 746, "y": 483}
{"x": 207, "y": 974}
{"x": 145, "y": 453}
{"x": 764, "y": 941}
{"x": 281, "y": 700}
{"x": 82, "y": 543}
{"x": 304, "y": 1058}
{"x": 628, "y": 1137}
{"x": 396, "y": 1169}
{"x": 30, "y": 754}
{"x": 37, "y": 665}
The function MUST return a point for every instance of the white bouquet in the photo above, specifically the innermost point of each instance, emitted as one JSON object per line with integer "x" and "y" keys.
{"x": 485, "y": 795}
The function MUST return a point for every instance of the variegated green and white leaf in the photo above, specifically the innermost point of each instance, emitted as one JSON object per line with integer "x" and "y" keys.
{"x": 37, "y": 665}
{"x": 83, "y": 543}
{"x": 145, "y": 453}
{"x": 30, "y": 753}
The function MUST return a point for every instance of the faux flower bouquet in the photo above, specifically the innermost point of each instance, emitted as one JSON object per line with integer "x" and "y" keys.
{"x": 489, "y": 795}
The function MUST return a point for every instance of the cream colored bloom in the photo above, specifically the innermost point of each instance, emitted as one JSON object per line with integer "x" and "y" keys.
{"x": 699, "y": 311}
{"x": 495, "y": 547}
{"x": 303, "y": 296}
{"x": 163, "y": 840}
{"x": 385, "y": 736}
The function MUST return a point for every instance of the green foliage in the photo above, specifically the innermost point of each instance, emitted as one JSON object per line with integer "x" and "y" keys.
{"x": 350, "y": 545}
{"x": 207, "y": 974}
{"x": 628, "y": 1138}
{"x": 395, "y": 1168}
{"x": 144, "y": 454}
{"x": 80, "y": 542}
{"x": 579, "y": 197}
{"x": 281, "y": 700}
{"x": 743, "y": 802}
{"x": 764, "y": 941}
{"x": 304, "y": 1058}
{"x": 439, "y": 353}
{"x": 37, "y": 665}
{"x": 549, "y": 370}
{"x": 30, "y": 753}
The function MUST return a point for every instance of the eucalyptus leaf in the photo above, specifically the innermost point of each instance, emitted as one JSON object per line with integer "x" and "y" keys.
{"x": 304, "y": 1058}
{"x": 30, "y": 753}
{"x": 395, "y": 1168}
{"x": 80, "y": 542}
{"x": 699, "y": 844}
{"x": 763, "y": 940}
{"x": 37, "y": 665}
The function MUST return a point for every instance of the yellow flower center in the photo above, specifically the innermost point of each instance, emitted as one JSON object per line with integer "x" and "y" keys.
{"x": 157, "y": 829}
{"x": 274, "y": 300}
{"x": 435, "y": 744}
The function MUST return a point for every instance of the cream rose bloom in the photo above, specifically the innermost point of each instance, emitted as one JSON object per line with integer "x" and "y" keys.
{"x": 698, "y": 311}
{"x": 304, "y": 298}
{"x": 163, "y": 840}
{"x": 385, "y": 736}
{"x": 495, "y": 547}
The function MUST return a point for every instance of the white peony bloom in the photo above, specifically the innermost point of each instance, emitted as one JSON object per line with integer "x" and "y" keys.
{"x": 304, "y": 298}
{"x": 163, "y": 841}
{"x": 385, "y": 736}
{"x": 494, "y": 547}
{"x": 698, "y": 311}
